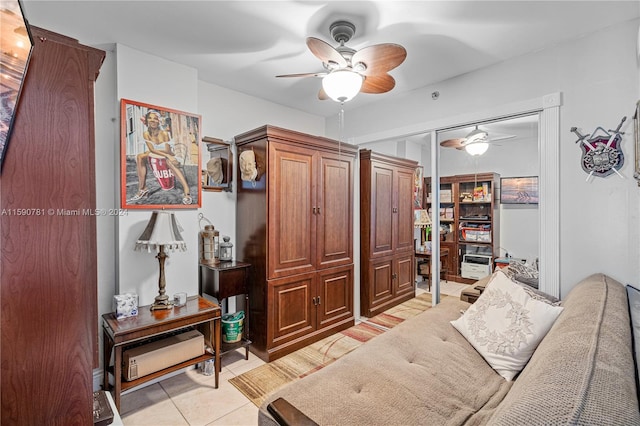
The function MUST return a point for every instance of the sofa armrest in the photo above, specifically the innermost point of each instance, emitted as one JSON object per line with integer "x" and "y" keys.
{"x": 287, "y": 415}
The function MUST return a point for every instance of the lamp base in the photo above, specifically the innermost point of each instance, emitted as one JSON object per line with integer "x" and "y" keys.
{"x": 162, "y": 302}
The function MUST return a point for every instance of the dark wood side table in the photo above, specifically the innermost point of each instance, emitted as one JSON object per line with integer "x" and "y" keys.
{"x": 426, "y": 254}
{"x": 198, "y": 312}
{"x": 228, "y": 279}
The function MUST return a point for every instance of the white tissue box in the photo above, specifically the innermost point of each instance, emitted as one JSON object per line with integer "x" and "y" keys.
{"x": 126, "y": 305}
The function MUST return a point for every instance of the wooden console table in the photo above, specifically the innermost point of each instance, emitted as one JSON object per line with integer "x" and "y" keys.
{"x": 228, "y": 279}
{"x": 198, "y": 312}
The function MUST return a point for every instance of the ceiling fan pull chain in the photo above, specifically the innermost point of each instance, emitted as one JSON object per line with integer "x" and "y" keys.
{"x": 341, "y": 126}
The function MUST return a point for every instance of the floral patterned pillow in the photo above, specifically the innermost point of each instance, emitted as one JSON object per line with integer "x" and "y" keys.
{"x": 505, "y": 325}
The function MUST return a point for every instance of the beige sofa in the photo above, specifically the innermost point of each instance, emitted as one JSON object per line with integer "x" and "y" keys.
{"x": 424, "y": 372}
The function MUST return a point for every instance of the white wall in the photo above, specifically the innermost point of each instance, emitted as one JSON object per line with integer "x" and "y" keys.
{"x": 145, "y": 78}
{"x": 599, "y": 226}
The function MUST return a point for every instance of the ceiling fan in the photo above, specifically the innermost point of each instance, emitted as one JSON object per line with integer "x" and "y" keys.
{"x": 475, "y": 143}
{"x": 349, "y": 71}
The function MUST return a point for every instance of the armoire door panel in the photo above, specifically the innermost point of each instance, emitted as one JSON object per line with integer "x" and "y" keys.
{"x": 382, "y": 221}
{"x": 404, "y": 208}
{"x": 335, "y": 211}
{"x": 381, "y": 274}
{"x": 49, "y": 349}
{"x": 292, "y": 223}
{"x": 405, "y": 275}
{"x": 291, "y": 304}
{"x": 335, "y": 295}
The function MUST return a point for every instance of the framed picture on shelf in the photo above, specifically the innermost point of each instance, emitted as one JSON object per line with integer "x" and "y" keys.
{"x": 519, "y": 190}
{"x": 217, "y": 170}
{"x": 159, "y": 157}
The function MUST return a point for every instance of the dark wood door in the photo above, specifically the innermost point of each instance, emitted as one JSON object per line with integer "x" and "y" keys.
{"x": 292, "y": 222}
{"x": 48, "y": 275}
{"x": 379, "y": 287}
{"x": 403, "y": 202}
{"x": 334, "y": 301}
{"x": 382, "y": 214}
{"x": 334, "y": 241}
{"x": 291, "y": 306}
{"x": 404, "y": 276}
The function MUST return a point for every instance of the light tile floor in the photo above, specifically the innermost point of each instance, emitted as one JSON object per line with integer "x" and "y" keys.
{"x": 191, "y": 399}
{"x": 450, "y": 288}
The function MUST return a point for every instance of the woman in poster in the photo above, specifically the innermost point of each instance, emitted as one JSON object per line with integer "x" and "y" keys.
{"x": 161, "y": 157}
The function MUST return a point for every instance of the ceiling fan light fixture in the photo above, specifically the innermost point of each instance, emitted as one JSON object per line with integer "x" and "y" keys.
{"x": 476, "y": 148}
{"x": 342, "y": 85}
{"x": 476, "y": 136}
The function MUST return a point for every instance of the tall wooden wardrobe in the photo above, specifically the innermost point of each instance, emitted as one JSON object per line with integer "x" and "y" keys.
{"x": 386, "y": 221}
{"x": 48, "y": 279}
{"x": 295, "y": 227}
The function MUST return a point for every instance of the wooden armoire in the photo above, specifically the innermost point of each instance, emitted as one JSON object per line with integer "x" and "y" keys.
{"x": 386, "y": 222}
{"x": 295, "y": 227}
{"x": 48, "y": 278}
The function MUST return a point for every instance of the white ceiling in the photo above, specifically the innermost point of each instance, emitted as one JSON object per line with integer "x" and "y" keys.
{"x": 243, "y": 45}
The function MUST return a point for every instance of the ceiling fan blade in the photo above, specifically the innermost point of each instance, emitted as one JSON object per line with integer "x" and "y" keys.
{"x": 457, "y": 143}
{"x": 380, "y": 58}
{"x": 501, "y": 138}
{"x": 322, "y": 95}
{"x": 325, "y": 52}
{"x": 378, "y": 84}
{"x": 306, "y": 74}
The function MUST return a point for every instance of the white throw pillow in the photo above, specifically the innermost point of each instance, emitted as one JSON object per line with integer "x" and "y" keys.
{"x": 505, "y": 325}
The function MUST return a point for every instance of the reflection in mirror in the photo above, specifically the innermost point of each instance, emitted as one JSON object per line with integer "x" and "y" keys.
{"x": 16, "y": 44}
{"x": 512, "y": 152}
{"x": 217, "y": 170}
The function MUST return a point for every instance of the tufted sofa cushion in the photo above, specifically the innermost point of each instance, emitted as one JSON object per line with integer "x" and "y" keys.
{"x": 421, "y": 372}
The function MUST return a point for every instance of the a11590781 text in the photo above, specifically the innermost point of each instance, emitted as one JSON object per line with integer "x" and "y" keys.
{"x": 63, "y": 212}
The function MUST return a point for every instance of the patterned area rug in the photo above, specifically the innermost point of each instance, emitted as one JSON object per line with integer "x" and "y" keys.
{"x": 260, "y": 382}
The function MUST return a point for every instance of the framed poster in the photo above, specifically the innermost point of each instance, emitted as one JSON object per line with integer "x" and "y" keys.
{"x": 16, "y": 43}
{"x": 159, "y": 157}
{"x": 519, "y": 190}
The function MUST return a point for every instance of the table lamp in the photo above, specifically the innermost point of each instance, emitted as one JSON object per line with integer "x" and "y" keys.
{"x": 422, "y": 220}
{"x": 162, "y": 233}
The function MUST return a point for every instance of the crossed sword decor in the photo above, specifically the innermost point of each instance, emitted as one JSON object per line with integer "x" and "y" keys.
{"x": 602, "y": 153}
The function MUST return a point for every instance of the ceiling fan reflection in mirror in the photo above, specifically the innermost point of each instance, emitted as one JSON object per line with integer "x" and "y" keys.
{"x": 475, "y": 143}
{"x": 349, "y": 71}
